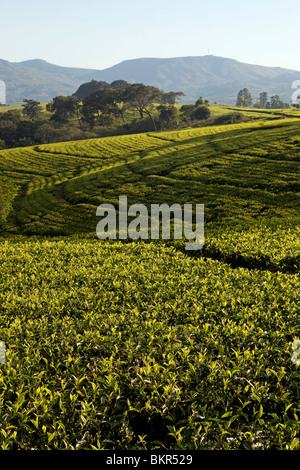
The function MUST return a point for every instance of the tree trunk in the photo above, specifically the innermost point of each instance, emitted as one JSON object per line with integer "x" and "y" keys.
{"x": 152, "y": 119}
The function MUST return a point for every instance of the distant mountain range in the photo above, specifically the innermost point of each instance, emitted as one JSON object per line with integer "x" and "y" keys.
{"x": 215, "y": 78}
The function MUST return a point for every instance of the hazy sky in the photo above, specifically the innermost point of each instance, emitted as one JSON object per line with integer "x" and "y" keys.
{"x": 98, "y": 34}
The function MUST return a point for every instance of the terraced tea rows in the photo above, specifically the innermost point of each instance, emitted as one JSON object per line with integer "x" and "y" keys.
{"x": 141, "y": 345}
{"x": 227, "y": 168}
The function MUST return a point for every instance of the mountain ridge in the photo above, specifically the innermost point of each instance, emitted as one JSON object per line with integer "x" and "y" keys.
{"x": 215, "y": 78}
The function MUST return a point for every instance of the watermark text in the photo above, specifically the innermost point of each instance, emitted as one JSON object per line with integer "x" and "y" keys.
{"x": 162, "y": 221}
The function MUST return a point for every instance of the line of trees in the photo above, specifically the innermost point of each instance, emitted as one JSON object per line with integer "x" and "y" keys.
{"x": 107, "y": 102}
{"x": 98, "y": 103}
{"x": 244, "y": 99}
{"x": 98, "y": 109}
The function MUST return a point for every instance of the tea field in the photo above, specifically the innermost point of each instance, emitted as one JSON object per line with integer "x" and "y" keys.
{"x": 240, "y": 172}
{"x": 140, "y": 344}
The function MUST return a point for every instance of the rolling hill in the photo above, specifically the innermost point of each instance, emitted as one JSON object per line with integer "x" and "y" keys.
{"x": 137, "y": 344}
{"x": 245, "y": 171}
{"x": 215, "y": 78}
{"x": 39, "y": 80}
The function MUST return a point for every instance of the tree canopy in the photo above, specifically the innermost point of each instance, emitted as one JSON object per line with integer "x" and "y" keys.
{"x": 32, "y": 109}
{"x": 244, "y": 98}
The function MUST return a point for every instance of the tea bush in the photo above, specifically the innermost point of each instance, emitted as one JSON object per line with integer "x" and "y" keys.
{"x": 138, "y": 346}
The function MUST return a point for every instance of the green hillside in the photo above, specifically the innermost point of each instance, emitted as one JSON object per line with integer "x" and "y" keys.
{"x": 141, "y": 344}
{"x": 247, "y": 171}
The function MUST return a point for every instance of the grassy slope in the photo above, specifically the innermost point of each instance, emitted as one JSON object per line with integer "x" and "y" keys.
{"x": 137, "y": 345}
{"x": 19, "y": 107}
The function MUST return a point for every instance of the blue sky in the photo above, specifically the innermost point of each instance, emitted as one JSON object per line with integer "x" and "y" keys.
{"x": 98, "y": 34}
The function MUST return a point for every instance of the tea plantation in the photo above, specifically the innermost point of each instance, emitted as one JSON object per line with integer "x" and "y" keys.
{"x": 141, "y": 344}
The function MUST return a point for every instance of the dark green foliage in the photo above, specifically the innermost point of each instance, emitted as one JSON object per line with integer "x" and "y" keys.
{"x": 32, "y": 109}
{"x": 9, "y": 122}
{"x": 201, "y": 112}
{"x": 197, "y": 111}
{"x": 263, "y": 100}
{"x": 107, "y": 102}
{"x": 114, "y": 110}
{"x": 277, "y": 103}
{"x": 63, "y": 108}
{"x": 187, "y": 110}
{"x": 171, "y": 97}
{"x": 87, "y": 89}
{"x": 142, "y": 98}
{"x": 168, "y": 117}
{"x": 244, "y": 98}
{"x": 15, "y": 130}
{"x": 200, "y": 101}
{"x": 229, "y": 118}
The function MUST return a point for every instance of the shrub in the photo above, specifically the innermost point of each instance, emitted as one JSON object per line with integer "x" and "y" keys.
{"x": 229, "y": 118}
{"x": 202, "y": 112}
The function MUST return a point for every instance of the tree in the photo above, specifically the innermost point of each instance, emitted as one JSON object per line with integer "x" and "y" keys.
{"x": 142, "y": 97}
{"x": 15, "y": 130}
{"x": 112, "y": 103}
{"x": 199, "y": 101}
{"x": 244, "y": 98}
{"x": 119, "y": 84}
{"x": 187, "y": 110}
{"x": 277, "y": 103}
{"x": 171, "y": 97}
{"x": 9, "y": 122}
{"x": 106, "y": 102}
{"x": 87, "y": 89}
{"x": 89, "y": 110}
{"x": 25, "y": 132}
{"x": 45, "y": 133}
{"x": 229, "y": 118}
{"x": 32, "y": 109}
{"x": 63, "y": 108}
{"x": 201, "y": 112}
{"x": 263, "y": 100}
{"x": 168, "y": 116}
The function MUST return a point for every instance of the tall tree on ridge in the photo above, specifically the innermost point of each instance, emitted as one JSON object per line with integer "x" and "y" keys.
{"x": 244, "y": 98}
{"x": 263, "y": 99}
{"x": 142, "y": 97}
{"x": 32, "y": 109}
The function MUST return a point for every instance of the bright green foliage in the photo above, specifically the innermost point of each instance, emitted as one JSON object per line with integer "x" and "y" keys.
{"x": 244, "y": 171}
{"x": 139, "y": 345}
{"x": 259, "y": 246}
{"x": 120, "y": 346}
